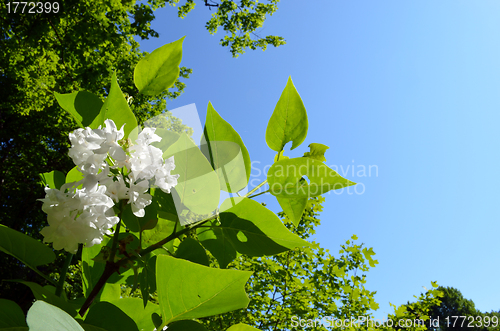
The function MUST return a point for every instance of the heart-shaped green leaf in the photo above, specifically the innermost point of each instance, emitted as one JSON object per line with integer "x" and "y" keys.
{"x": 11, "y": 315}
{"x": 288, "y": 121}
{"x": 158, "y": 71}
{"x": 285, "y": 178}
{"x": 226, "y": 152}
{"x": 83, "y": 106}
{"x": 116, "y": 108}
{"x": 293, "y": 208}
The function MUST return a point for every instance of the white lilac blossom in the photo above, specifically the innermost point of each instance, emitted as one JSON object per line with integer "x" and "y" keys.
{"x": 85, "y": 215}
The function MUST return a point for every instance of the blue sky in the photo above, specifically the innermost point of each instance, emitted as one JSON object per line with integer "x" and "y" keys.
{"x": 411, "y": 88}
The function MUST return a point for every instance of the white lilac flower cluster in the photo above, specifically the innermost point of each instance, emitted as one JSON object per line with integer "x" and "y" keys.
{"x": 84, "y": 215}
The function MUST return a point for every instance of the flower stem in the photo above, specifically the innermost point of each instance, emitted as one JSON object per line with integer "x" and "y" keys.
{"x": 62, "y": 274}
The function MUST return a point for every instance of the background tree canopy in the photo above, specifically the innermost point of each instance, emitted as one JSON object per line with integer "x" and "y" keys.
{"x": 76, "y": 49}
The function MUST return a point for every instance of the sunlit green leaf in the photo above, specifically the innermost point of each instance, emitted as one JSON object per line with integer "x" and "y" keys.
{"x": 45, "y": 317}
{"x": 284, "y": 178}
{"x": 83, "y": 106}
{"x": 241, "y": 327}
{"x": 54, "y": 179}
{"x": 288, "y": 121}
{"x": 198, "y": 185}
{"x": 187, "y": 290}
{"x": 317, "y": 152}
{"x": 158, "y": 71}
{"x": 116, "y": 108}
{"x": 226, "y": 151}
{"x": 293, "y": 208}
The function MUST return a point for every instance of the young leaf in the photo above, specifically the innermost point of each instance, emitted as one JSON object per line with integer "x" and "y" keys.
{"x": 158, "y": 71}
{"x": 11, "y": 315}
{"x": 187, "y": 290}
{"x": 284, "y": 178}
{"x": 198, "y": 185}
{"x": 116, "y": 108}
{"x": 226, "y": 152}
{"x": 317, "y": 152}
{"x": 288, "y": 121}
{"x": 54, "y": 179}
{"x": 83, "y": 106}
{"x": 29, "y": 251}
{"x": 45, "y": 317}
{"x": 293, "y": 208}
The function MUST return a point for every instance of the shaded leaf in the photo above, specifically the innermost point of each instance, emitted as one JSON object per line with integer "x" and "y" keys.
{"x": 11, "y": 315}
{"x": 191, "y": 250}
{"x": 186, "y": 326}
{"x": 29, "y": 251}
{"x": 47, "y": 294}
{"x": 109, "y": 317}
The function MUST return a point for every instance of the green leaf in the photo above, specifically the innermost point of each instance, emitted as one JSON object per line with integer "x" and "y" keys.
{"x": 47, "y": 294}
{"x": 45, "y": 317}
{"x": 166, "y": 205}
{"x": 254, "y": 230}
{"x": 284, "y": 178}
{"x": 147, "y": 279}
{"x": 241, "y": 327}
{"x": 188, "y": 290}
{"x": 54, "y": 179}
{"x": 91, "y": 271}
{"x": 167, "y": 139}
{"x": 83, "y": 106}
{"x": 288, "y": 121}
{"x": 11, "y": 315}
{"x": 293, "y": 208}
{"x": 109, "y": 317}
{"x": 217, "y": 244}
{"x": 116, "y": 108}
{"x": 191, "y": 250}
{"x": 317, "y": 152}
{"x": 134, "y": 223}
{"x": 186, "y": 326}
{"x": 227, "y": 153}
{"x": 158, "y": 71}
{"x": 122, "y": 315}
{"x": 29, "y": 251}
{"x": 162, "y": 230}
{"x": 248, "y": 228}
{"x": 74, "y": 175}
{"x": 198, "y": 185}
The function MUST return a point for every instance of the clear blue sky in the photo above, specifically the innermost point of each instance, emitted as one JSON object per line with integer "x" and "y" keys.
{"x": 411, "y": 87}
